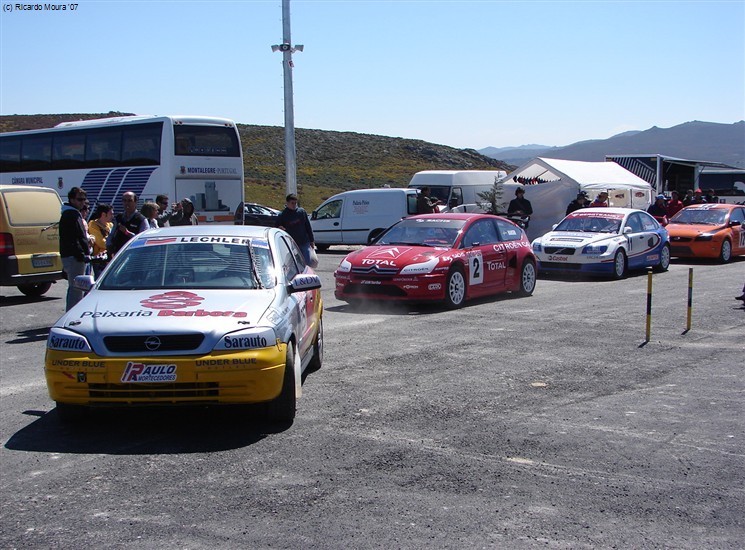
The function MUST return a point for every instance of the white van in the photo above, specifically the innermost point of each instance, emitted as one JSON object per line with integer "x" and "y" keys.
{"x": 458, "y": 190}
{"x": 356, "y": 217}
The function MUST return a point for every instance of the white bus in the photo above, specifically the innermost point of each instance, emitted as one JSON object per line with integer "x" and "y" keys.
{"x": 191, "y": 157}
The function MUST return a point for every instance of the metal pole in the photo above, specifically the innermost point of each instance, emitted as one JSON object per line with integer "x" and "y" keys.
{"x": 690, "y": 298}
{"x": 649, "y": 304}
{"x": 290, "y": 154}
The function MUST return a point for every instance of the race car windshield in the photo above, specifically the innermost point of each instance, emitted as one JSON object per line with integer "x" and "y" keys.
{"x": 157, "y": 264}
{"x": 430, "y": 232}
{"x": 589, "y": 224}
{"x": 700, "y": 216}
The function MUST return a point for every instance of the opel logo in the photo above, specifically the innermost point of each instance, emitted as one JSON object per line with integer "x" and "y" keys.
{"x": 152, "y": 343}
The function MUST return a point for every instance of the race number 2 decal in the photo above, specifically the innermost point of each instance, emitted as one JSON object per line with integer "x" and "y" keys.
{"x": 476, "y": 268}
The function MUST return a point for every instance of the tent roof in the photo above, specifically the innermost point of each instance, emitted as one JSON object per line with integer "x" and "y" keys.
{"x": 587, "y": 175}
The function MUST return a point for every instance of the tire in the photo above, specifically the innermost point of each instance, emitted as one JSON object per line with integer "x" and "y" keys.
{"x": 620, "y": 265}
{"x": 664, "y": 260}
{"x": 322, "y": 247}
{"x": 317, "y": 360}
{"x": 725, "y": 254}
{"x": 527, "y": 279}
{"x": 70, "y": 414}
{"x": 455, "y": 288}
{"x": 35, "y": 290}
{"x": 282, "y": 408}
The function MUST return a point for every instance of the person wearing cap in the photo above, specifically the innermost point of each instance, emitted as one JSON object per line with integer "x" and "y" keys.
{"x": 711, "y": 196}
{"x": 520, "y": 206}
{"x": 579, "y": 202}
{"x": 294, "y": 220}
{"x": 184, "y": 214}
{"x": 674, "y": 205}
{"x": 659, "y": 209}
{"x": 600, "y": 200}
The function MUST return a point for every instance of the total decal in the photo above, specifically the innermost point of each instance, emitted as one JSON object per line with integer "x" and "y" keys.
{"x": 385, "y": 256}
{"x": 141, "y": 373}
{"x": 167, "y": 304}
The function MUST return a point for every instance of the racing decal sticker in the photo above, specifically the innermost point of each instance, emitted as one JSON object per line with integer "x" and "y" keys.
{"x": 475, "y": 268}
{"x": 172, "y": 300}
{"x": 142, "y": 373}
{"x": 742, "y": 237}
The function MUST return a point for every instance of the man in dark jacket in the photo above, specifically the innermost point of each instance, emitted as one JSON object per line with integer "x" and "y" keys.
{"x": 73, "y": 243}
{"x": 126, "y": 225}
{"x": 294, "y": 220}
{"x": 579, "y": 202}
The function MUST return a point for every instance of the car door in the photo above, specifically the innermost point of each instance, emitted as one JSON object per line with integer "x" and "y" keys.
{"x": 486, "y": 258}
{"x": 511, "y": 238}
{"x": 642, "y": 240}
{"x": 292, "y": 264}
{"x": 738, "y": 231}
{"x": 326, "y": 222}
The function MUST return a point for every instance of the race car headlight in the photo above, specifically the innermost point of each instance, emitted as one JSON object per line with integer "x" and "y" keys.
{"x": 251, "y": 338}
{"x": 537, "y": 246}
{"x": 65, "y": 340}
{"x": 344, "y": 267}
{"x": 705, "y": 237}
{"x": 421, "y": 268}
{"x": 595, "y": 249}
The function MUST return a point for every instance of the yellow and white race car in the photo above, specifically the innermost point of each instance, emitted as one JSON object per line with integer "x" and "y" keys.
{"x": 191, "y": 315}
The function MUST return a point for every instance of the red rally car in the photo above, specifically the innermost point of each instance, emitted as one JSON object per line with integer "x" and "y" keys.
{"x": 440, "y": 257}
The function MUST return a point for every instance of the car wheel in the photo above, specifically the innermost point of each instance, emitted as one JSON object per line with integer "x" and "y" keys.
{"x": 455, "y": 288}
{"x": 282, "y": 408}
{"x": 619, "y": 264}
{"x": 664, "y": 259}
{"x": 70, "y": 413}
{"x": 35, "y": 290}
{"x": 725, "y": 254}
{"x": 317, "y": 360}
{"x": 527, "y": 279}
{"x": 322, "y": 247}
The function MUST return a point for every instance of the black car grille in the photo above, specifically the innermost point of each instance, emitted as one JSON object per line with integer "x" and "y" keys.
{"x": 564, "y": 251}
{"x": 153, "y": 391}
{"x": 149, "y": 343}
{"x": 375, "y": 269}
{"x": 679, "y": 250}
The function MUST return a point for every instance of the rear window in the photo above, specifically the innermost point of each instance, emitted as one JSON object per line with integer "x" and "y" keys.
{"x": 31, "y": 207}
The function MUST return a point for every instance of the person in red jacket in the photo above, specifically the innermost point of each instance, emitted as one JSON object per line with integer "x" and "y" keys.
{"x": 674, "y": 205}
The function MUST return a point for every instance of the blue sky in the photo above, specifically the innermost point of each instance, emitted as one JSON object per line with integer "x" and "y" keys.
{"x": 460, "y": 73}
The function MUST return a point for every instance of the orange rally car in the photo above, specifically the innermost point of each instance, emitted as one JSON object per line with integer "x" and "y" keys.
{"x": 708, "y": 231}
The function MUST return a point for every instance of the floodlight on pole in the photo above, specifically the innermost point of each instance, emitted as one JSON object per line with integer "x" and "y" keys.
{"x": 287, "y": 65}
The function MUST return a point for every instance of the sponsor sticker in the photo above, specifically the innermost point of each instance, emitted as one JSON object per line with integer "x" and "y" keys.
{"x": 135, "y": 373}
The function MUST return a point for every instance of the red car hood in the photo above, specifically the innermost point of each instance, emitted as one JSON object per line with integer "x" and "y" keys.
{"x": 388, "y": 258}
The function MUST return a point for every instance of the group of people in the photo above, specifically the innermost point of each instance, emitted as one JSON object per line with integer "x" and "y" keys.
{"x": 698, "y": 197}
{"x": 89, "y": 245}
{"x": 583, "y": 201}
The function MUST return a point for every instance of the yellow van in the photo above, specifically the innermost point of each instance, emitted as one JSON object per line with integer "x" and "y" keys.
{"x": 29, "y": 238}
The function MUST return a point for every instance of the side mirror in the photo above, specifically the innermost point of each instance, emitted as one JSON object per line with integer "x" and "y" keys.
{"x": 303, "y": 282}
{"x": 734, "y": 224}
{"x": 83, "y": 282}
{"x": 314, "y": 215}
{"x": 627, "y": 230}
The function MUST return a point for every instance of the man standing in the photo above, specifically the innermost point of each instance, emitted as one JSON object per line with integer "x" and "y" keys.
{"x": 600, "y": 200}
{"x": 126, "y": 225}
{"x": 424, "y": 203}
{"x": 576, "y": 204}
{"x": 294, "y": 220}
{"x": 520, "y": 206}
{"x": 164, "y": 215}
{"x": 73, "y": 243}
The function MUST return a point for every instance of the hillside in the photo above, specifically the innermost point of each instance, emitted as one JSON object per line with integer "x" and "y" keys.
{"x": 705, "y": 141}
{"x": 327, "y": 162}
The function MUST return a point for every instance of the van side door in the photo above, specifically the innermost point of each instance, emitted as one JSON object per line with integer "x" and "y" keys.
{"x": 326, "y": 222}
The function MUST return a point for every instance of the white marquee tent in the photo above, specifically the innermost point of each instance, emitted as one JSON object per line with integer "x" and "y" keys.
{"x": 551, "y": 184}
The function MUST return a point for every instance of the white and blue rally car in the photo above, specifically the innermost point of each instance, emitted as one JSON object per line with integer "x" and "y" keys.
{"x": 605, "y": 241}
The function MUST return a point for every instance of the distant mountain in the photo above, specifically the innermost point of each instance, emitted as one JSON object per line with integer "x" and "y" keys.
{"x": 705, "y": 141}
